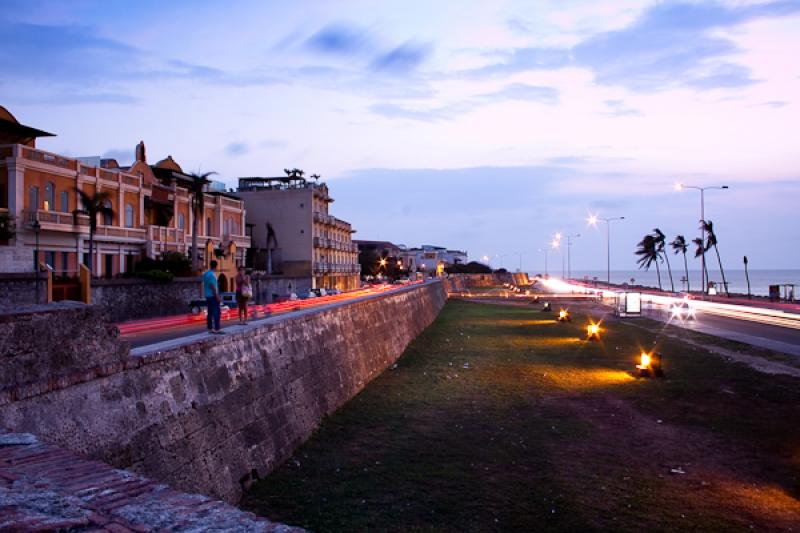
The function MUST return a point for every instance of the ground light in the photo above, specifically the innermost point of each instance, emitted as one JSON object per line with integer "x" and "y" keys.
{"x": 650, "y": 364}
{"x": 546, "y": 307}
{"x": 593, "y": 331}
{"x": 563, "y": 316}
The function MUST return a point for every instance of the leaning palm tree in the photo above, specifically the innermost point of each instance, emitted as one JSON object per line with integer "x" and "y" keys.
{"x": 699, "y": 250}
{"x": 648, "y": 254}
{"x": 661, "y": 242}
{"x": 197, "y": 189}
{"x": 93, "y": 205}
{"x": 711, "y": 240}
{"x": 679, "y": 246}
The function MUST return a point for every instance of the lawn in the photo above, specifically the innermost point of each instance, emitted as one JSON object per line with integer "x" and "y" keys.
{"x": 498, "y": 418}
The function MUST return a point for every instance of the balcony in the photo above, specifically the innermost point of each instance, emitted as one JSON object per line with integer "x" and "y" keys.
{"x": 57, "y": 221}
{"x": 41, "y": 156}
{"x": 165, "y": 235}
{"x": 241, "y": 241}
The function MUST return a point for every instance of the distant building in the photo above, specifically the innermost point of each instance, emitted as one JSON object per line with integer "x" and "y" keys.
{"x": 428, "y": 258}
{"x": 294, "y": 234}
{"x": 151, "y": 210}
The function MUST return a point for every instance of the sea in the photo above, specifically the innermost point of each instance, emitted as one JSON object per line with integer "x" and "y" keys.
{"x": 760, "y": 280}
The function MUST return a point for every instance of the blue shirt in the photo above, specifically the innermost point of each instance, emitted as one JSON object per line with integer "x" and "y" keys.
{"x": 210, "y": 284}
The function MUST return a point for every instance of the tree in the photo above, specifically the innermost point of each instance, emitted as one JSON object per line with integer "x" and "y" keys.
{"x": 661, "y": 241}
{"x": 368, "y": 259}
{"x": 648, "y": 254}
{"x": 698, "y": 252}
{"x": 679, "y": 246}
{"x": 711, "y": 240}
{"x": 93, "y": 205}
{"x": 197, "y": 189}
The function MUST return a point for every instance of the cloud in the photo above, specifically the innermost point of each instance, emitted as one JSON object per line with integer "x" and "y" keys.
{"x": 669, "y": 45}
{"x": 273, "y": 143}
{"x": 122, "y": 155}
{"x": 237, "y": 149}
{"x": 402, "y": 59}
{"x": 339, "y": 39}
{"x": 617, "y": 108}
{"x": 432, "y": 114}
{"x": 775, "y": 104}
{"x": 524, "y": 92}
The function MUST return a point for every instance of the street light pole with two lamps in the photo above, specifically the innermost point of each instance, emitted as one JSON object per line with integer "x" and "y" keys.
{"x": 680, "y": 187}
{"x": 593, "y": 222}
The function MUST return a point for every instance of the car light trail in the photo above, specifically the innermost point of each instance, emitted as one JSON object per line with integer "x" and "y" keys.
{"x": 774, "y": 317}
{"x": 256, "y": 311}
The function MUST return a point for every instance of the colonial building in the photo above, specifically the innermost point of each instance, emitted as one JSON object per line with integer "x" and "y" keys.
{"x": 149, "y": 210}
{"x": 293, "y": 234}
{"x": 430, "y": 258}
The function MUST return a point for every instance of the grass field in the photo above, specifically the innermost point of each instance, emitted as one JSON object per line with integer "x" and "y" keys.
{"x": 498, "y": 418}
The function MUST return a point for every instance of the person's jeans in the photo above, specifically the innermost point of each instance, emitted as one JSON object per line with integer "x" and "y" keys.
{"x": 214, "y": 313}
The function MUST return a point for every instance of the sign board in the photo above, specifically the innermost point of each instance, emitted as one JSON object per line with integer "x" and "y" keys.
{"x": 627, "y": 304}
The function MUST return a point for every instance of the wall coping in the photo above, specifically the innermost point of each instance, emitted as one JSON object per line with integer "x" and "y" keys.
{"x": 139, "y": 281}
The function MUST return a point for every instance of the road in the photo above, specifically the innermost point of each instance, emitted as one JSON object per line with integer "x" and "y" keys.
{"x": 155, "y": 330}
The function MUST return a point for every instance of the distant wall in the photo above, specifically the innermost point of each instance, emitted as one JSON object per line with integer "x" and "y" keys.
{"x": 266, "y": 287}
{"x": 208, "y": 415}
{"x": 126, "y": 299}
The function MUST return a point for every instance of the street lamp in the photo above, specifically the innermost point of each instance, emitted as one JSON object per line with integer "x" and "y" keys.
{"x": 593, "y": 222}
{"x": 545, "y": 250}
{"x": 569, "y": 255}
{"x": 556, "y": 244}
{"x": 36, "y": 229}
{"x": 680, "y": 187}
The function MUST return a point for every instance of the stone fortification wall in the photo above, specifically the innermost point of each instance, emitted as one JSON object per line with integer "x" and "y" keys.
{"x": 56, "y": 343}
{"x": 126, "y": 299}
{"x": 210, "y": 415}
{"x": 19, "y": 288}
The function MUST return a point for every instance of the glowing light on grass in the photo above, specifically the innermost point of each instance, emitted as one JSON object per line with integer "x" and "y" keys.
{"x": 593, "y": 331}
{"x": 563, "y": 315}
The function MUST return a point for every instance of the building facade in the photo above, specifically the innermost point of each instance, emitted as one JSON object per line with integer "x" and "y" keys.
{"x": 149, "y": 211}
{"x": 293, "y": 233}
{"x": 428, "y": 258}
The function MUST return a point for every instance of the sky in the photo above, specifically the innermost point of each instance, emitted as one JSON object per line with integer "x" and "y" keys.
{"x": 486, "y": 126}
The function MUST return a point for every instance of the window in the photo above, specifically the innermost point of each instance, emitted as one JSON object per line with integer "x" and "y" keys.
{"x": 50, "y": 259}
{"x": 64, "y": 263}
{"x": 208, "y": 226}
{"x": 128, "y": 216}
{"x": 181, "y": 221}
{"x": 64, "y": 202}
{"x": 108, "y": 216}
{"x": 50, "y": 196}
{"x": 33, "y": 198}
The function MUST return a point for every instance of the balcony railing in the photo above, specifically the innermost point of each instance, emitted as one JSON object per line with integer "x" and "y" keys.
{"x": 163, "y": 234}
{"x": 242, "y": 241}
{"x": 41, "y": 156}
{"x": 55, "y": 219}
{"x": 121, "y": 233}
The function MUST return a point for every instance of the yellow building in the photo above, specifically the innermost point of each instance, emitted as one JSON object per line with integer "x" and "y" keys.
{"x": 150, "y": 210}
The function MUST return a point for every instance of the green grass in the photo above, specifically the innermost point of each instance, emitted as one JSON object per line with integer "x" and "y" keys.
{"x": 546, "y": 431}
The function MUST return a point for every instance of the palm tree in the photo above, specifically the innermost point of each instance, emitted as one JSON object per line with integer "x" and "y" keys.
{"x": 648, "y": 254}
{"x": 661, "y": 241}
{"x": 711, "y": 240}
{"x": 699, "y": 250}
{"x": 93, "y": 205}
{"x": 679, "y": 245}
{"x": 197, "y": 189}
{"x": 747, "y": 277}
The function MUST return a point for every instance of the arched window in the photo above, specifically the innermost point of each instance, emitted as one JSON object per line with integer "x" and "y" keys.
{"x": 50, "y": 195}
{"x": 108, "y": 216}
{"x": 33, "y": 198}
{"x": 181, "y": 221}
{"x": 208, "y": 226}
{"x": 128, "y": 216}
{"x": 64, "y": 202}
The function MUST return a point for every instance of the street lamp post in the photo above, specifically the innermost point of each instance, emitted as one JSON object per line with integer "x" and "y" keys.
{"x": 545, "y": 250}
{"x": 680, "y": 187}
{"x": 593, "y": 222}
{"x": 36, "y": 229}
{"x": 569, "y": 255}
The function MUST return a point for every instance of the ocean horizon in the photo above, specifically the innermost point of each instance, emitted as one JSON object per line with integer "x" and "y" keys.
{"x": 760, "y": 279}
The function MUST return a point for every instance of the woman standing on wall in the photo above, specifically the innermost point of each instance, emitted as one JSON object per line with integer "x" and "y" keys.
{"x": 244, "y": 291}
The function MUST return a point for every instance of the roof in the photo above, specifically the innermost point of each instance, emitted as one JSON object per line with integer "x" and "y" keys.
{"x": 169, "y": 163}
{"x": 11, "y": 131}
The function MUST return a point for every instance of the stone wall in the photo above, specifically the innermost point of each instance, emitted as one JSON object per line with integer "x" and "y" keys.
{"x": 127, "y": 299}
{"x": 210, "y": 415}
{"x": 18, "y": 289}
{"x": 54, "y": 343}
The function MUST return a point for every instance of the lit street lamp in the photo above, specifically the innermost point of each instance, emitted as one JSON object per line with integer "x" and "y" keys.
{"x": 593, "y": 222}
{"x": 545, "y": 250}
{"x": 680, "y": 187}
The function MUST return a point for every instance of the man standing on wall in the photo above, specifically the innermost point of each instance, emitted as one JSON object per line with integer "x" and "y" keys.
{"x": 213, "y": 299}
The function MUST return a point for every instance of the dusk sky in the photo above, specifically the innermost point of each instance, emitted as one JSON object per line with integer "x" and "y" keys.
{"x": 485, "y": 126}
